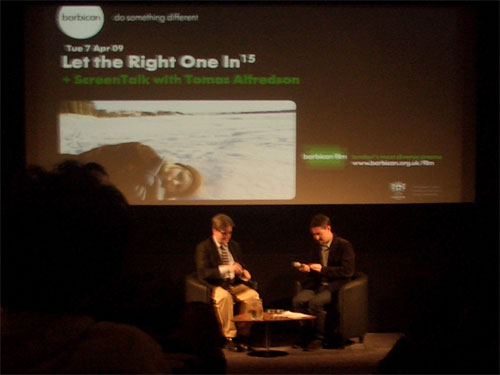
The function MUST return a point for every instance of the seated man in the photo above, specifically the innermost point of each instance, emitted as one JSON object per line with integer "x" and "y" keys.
{"x": 140, "y": 173}
{"x": 219, "y": 263}
{"x": 331, "y": 266}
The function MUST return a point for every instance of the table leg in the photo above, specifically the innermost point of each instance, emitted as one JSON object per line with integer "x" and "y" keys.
{"x": 267, "y": 338}
{"x": 267, "y": 342}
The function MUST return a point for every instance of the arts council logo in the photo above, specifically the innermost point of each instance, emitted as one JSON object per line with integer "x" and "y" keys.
{"x": 80, "y": 22}
{"x": 398, "y": 188}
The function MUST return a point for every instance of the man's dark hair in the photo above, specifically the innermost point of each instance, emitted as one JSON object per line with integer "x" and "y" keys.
{"x": 67, "y": 232}
{"x": 320, "y": 220}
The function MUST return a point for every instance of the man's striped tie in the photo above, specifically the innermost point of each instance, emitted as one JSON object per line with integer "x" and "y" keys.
{"x": 225, "y": 254}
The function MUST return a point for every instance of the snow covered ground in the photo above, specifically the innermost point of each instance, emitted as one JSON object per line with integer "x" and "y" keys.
{"x": 241, "y": 156}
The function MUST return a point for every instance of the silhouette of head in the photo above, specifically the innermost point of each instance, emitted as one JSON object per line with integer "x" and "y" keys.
{"x": 66, "y": 237}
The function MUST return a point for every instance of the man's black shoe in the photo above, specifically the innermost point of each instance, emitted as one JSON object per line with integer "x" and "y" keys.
{"x": 314, "y": 345}
{"x": 232, "y": 346}
{"x": 299, "y": 344}
{"x": 245, "y": 347}
{"x": 337, "y": 343}
{"x": 302, "y": 341}
{"x": 242, "y": 344}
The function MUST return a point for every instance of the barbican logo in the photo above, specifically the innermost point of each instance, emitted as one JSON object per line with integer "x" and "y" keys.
{"x": 80, "y": 22}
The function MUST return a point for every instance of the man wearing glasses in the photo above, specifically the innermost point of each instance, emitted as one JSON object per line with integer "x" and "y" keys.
{"x": 219, "y": 263}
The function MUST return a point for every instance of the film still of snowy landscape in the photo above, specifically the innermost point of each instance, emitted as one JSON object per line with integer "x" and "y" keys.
{"x": 244, "y": 150}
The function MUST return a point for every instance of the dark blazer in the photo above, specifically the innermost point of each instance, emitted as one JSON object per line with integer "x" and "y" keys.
{"x": 207, "y": 260}
{"x": 340, "y": 266}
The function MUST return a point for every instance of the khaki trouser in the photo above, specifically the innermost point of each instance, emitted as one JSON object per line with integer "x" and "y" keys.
{"x": 224, "y": 307}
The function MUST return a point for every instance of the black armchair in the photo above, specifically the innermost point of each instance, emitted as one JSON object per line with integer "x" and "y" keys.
{"x": 352, "y": 308}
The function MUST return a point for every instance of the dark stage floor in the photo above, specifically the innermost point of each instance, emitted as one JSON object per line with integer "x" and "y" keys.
{"x": 358, "y": 358}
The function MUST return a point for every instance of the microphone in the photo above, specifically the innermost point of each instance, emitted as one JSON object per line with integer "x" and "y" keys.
{"x": 297, "y": 264}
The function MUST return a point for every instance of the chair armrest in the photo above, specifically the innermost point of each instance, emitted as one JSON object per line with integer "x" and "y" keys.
{"x": 360, "y": 281}
{"x": 355, "y": 291}
{"x": 297, "y": 287}
{"x": 197, "y": 290}
{"x": 353, "y": 306}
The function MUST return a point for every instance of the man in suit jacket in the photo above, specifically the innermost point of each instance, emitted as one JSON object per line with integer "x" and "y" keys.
{"x": 332, "y": 264}
{"x": 219, "y": 263}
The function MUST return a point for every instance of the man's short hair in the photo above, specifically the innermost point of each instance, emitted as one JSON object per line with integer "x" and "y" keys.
{"x": 320, "y": 220}
{"x": 221, "y": 222}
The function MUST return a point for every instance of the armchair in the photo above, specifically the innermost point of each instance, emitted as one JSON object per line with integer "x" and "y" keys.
{"x": 352, "y": 307}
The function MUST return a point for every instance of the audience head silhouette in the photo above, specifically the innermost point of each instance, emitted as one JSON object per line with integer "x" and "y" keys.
{"x": 67, "y": 233}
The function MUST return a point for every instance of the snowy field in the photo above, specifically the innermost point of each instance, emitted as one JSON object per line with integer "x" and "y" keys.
{"x": 240, "y": 156}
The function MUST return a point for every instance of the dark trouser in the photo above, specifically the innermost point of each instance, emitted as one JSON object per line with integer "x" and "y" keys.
{"x": 313, "y": 302}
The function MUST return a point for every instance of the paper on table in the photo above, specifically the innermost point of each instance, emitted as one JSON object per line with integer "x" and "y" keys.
{"x": 294, "y": 315}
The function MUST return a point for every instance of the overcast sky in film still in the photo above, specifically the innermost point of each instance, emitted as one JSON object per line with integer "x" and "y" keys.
{"x": 197, "y": 106}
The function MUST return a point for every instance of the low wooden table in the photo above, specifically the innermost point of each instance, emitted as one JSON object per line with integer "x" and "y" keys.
{"x": 268, "y": 318}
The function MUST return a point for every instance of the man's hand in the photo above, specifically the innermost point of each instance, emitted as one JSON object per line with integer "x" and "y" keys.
{"x": 245, "y": 275}
{"x": 236, "y": 268}
{"x": 316, "y": 267}
{"x": 304, "y": 268}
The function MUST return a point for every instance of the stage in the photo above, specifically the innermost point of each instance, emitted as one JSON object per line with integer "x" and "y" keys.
{"x": 358, "y": 358}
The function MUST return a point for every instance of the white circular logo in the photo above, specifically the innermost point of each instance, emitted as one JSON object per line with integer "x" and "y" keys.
{"x": 80, "y": 22}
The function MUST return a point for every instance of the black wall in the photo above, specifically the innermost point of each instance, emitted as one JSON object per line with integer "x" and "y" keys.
{"x": 414, "y": 255}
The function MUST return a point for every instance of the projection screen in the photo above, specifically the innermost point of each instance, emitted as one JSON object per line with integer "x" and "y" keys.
{"x": 257, "y": 103}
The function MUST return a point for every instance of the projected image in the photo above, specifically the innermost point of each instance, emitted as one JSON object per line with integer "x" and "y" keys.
{"x": 161, "y": 151}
